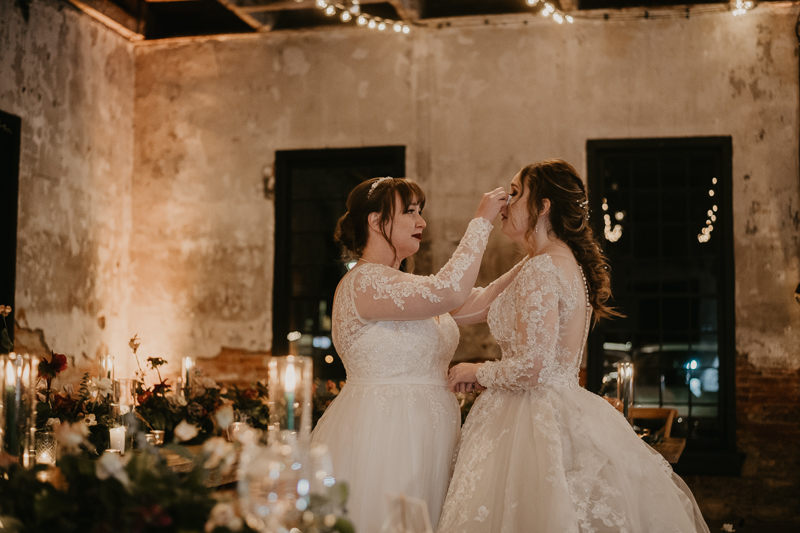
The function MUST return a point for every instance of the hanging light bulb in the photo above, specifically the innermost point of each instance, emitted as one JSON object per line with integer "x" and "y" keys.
{"x": 372, "y": 24}
{"x": 322, "y": 4}
{"x": 346, "y": 16}
{"x": 531, "y": 2}
{"x": 569, "y": 19}
{"x": 382, "y": 26}
{"x": 330, "y": 10}
{"x": 398, "y": 27}
{"x": 362, "y": 20}
{"x": 558, "y": 18}
{"x": 406, "y": 29}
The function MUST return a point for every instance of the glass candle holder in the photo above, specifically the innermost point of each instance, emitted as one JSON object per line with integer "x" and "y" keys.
{"x": 290, "y": 381}
{"x": 46, "y": 447}
{"x": 625, "y": 388}
{"x": 125, "y": 392}
{"x": 18, "y": 418}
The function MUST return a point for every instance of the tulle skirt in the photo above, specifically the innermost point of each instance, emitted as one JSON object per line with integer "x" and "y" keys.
{"x": 561, "y": 461}
{"x": 388, "y": 440}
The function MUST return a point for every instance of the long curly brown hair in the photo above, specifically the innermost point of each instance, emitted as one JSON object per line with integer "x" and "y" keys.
{"x": 559, "y": 182}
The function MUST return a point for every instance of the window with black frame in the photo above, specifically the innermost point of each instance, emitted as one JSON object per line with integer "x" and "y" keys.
{"x": 10, "y": 135}
{"x": 311, "y": 190}
{"x": 662, "y": 211}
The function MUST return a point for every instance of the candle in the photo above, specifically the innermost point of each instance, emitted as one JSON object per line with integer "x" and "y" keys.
{"x": 11, "y": 442}
{"x": 107, "y": 365}
{"x": 187, "y": 371}
{"x": 117, "y": 439}
{"x": 625, "y": 387}
{"x": 290, "y": 381}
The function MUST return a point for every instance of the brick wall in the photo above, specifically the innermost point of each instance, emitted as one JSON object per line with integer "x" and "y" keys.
{"x": 768, "y": 432}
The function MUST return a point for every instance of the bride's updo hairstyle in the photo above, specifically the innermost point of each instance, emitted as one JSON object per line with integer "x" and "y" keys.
{"x": 376, "y": 195}
{"x": 559, "y": 182}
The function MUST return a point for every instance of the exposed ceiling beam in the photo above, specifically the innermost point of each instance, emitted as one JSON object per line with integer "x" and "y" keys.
{"x": 288, "y": 5}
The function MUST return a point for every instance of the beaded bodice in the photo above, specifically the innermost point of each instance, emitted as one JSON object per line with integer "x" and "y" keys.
{"x": 539, "y": 326}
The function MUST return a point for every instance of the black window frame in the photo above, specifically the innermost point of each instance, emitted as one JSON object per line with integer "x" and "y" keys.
{"x": 10, "y": 143}
{"x": 724, "y": 460}
{"x": 393, "y": 156}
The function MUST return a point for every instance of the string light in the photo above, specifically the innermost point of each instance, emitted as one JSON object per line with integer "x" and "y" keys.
{"x": 740, "y": 7}
{"x": 351, "y": 10}
{"x": 558, "y": 16}
{"x": 705, "y": 233}
{"x": 612, "y": 235}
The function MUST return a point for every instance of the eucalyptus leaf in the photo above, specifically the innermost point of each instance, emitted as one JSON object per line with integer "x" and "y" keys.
{"x": 5, "y": 340}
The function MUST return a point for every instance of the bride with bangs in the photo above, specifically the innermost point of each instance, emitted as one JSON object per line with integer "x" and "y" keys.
{"x": 393, "y": 428}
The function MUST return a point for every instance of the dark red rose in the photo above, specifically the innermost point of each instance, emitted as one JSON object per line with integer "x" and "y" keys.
{"x": 53, "y": 367}
{"x": 160, "y": 389}
{"x": 144, "y": 396}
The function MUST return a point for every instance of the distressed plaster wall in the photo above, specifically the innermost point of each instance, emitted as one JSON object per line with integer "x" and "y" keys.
{"x": 71, "y": 81}
{"x": 472, "y": 105}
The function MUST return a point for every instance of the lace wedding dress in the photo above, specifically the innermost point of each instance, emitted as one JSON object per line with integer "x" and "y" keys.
{"x": 540, "y": 454}
{"x": 393, "y": 428}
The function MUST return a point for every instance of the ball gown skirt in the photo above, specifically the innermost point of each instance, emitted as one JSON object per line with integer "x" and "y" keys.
{"x": 394, "y": 437}
{"x": 561, "y": 460}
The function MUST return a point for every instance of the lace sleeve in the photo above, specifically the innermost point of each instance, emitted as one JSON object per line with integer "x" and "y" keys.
{"x": 536, "y": 334}
{"x": 383, "y": 293}
{"x": 477, "y": 305}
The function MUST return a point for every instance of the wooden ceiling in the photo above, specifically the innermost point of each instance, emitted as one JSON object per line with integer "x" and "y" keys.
{"x": 160, "y": 19}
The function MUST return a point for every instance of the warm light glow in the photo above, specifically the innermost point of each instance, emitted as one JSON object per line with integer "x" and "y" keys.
{"x": 406, "y": 29}
{"x": 570, "y": 19}
{"x": 294, "y": 336}
{"x": 711, "y": 192}
{"x": 714, "y": 181}
{"x": 531, "y": 2}
{"x": 371, "y": 24}
{"x": 361, "y": 20}
{"x": 322, "y": 4}
{"x": 10, "y": 374}
{"x": 398, "y": 27}
{"x": 382, "y": 26}
{"x": 558, "y": 18}
{"x": 289, "y": 378}
{"x": 330, "y": 10}
{"x": 346, "y": 16}
{"x": 329, "y": 359}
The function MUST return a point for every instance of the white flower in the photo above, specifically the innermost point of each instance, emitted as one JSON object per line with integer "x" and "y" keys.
{"x": 223, "y": 515}
{"x": 103, "y": 386}
{"x": 110, "y": 465}
{"x": 53, "y": 422}
{"x": 219, "y": 452}
{"x": 177, "y": 400}
{"x": 90, "y": 420}
{"x": 224, "y": 416}
{"x": 208, "y": 383}
{"x": 70, "y": 390}
{"x": 71, "y": 436}
{"x": 186, "y": 431}
{"x": 728, "y": 528}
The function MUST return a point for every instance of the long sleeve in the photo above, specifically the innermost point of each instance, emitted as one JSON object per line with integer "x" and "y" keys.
{"x": 475, "y": 309}
{"x": 536, "y": 335}
{"x": 383, "y": 293}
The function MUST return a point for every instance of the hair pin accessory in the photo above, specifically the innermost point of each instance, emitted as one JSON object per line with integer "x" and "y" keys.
{"x": 377, "y": 182}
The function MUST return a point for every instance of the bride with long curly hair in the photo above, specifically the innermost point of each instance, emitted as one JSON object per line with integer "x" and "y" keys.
{"x": 538, "y": 453}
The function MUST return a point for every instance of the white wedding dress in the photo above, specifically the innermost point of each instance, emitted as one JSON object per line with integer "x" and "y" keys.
{"x": 394, "y": 427}
{"x": 540, "y": 454}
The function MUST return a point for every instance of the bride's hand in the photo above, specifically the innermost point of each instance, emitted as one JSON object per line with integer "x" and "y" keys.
{"x": 463, "y": 373}
{"x": 491, "y": 204}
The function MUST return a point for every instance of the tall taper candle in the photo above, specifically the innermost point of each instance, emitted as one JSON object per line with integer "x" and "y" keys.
{"x": 290, "y": 381}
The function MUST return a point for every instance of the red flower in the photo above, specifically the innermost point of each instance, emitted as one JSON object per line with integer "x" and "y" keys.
{"x": 249, "y": 394}
{"x": 152, "y": 516}
{"x": 53, "y": 367}
{"x": 144, "y": 396}
{"x": 161, "y": 388}
{"x": 63, "y": 402}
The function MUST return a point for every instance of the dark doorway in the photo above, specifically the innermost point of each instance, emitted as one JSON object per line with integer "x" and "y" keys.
{"x": 663, "y": 211}
{"x": 10, "y": 135}
{"x": 311, "y": 189}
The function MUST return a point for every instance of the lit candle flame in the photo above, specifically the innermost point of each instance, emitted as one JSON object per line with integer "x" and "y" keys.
{"x": 290, "y": 378}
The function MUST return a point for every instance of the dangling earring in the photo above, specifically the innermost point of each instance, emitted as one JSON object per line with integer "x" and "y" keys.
{"x": 536, "y": 229}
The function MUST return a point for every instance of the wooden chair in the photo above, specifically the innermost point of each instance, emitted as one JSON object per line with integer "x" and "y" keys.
{"x": 651, "y": 413}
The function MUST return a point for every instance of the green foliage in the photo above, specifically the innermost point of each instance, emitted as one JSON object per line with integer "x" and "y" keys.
{"x": 154, "y": 499}
{"x": 5, "y": 340}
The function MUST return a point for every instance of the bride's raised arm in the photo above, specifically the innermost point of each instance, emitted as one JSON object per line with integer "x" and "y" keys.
{"x": 476, "y": 308}
{"x": 536, "y": 332}
{"x": 383, "y": 293}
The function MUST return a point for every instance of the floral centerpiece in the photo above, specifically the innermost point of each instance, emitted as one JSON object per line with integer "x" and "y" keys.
{"x": 5, "y": 339}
